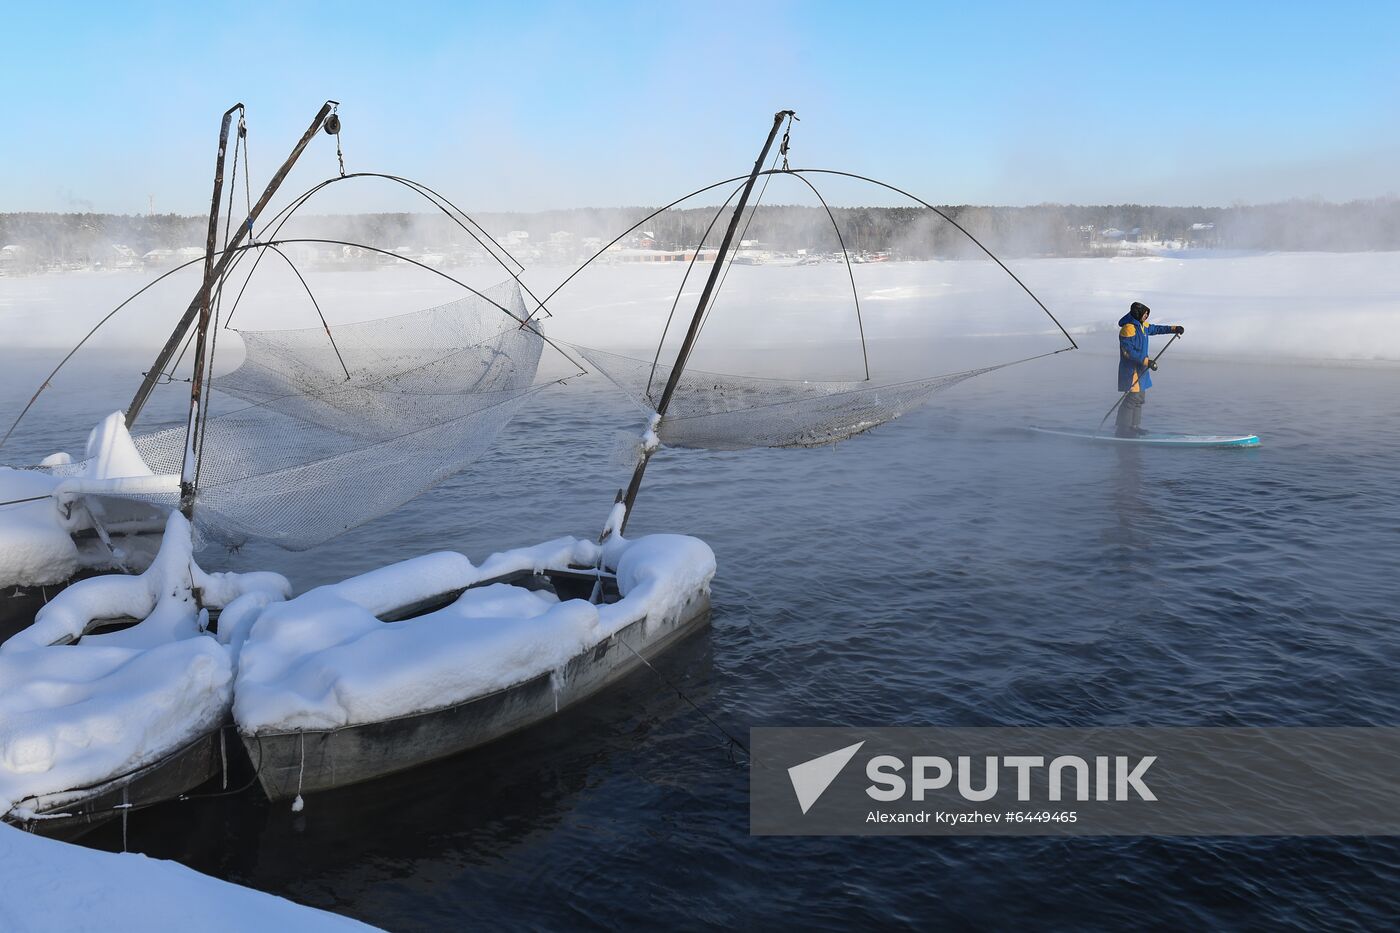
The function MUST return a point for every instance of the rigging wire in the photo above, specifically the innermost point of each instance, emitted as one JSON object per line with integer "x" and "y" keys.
{"x": 273, "y": 226}
{"x": 614, "y": 241}
{"x": 169, "y": 375}
{"x": 656, "y": 360}
{"x": 733, "y": 742}
{"x": 742, "y": 234}
{"x": 88, "y": 336}
{"x": 218, "y": 303}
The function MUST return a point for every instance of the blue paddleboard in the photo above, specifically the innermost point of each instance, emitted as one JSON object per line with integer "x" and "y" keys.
{"x": 1162, "y": 440}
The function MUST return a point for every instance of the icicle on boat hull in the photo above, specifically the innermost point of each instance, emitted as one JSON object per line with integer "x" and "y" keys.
{"x": 71, "y": 814}
{"x": 292, "y": 763}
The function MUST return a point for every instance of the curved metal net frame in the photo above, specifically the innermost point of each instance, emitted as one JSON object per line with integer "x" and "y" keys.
{"x": 312, "y": 454}
{"x": 728, "y": 412}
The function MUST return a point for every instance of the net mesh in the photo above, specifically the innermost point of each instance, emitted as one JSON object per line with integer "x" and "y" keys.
{"x": 723, "y": 412}
{"x": 312, "y": 454}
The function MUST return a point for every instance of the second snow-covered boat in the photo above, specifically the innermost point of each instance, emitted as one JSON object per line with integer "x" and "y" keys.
{"x": 433, "y": 656}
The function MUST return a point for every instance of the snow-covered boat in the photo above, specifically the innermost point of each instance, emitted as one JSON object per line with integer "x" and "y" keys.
{"x": 116, "y": 696}
{"x": 433, "y": 656}
{"x": 61, "y": 525}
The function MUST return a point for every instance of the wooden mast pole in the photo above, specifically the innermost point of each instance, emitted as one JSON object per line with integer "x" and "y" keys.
{"x": 187, "y": 467}
{"x": 213, "y": 273}
{"x": 629, "y": 497}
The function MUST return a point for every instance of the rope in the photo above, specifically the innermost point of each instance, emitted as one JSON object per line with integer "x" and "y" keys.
{"x": 286, "y": 212}
{"x": 126, "y": 807}
{"x": 733, "y": 742}
{"x": 787, "y": 140}
{"x": 660, "y": 210}
{"x": 719, "y": 287}
{"x": 445, "y": 206}
{"x": 218, "y": 303}
{"x": 340, "y": 156}
{"x": 169, "y": 375}
{"x": 29, "y": 499}
{"x": 244, "y": 248}
{"x": 275, "y": 224}
{"x": 247, "y": 173}
{"x": 88, "y": 336}
{"x": 297, "y": 804}
{"x": 656, "y": 360}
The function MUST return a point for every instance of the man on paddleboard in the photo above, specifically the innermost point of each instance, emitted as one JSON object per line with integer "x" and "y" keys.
{"x": 1134, "y": 365}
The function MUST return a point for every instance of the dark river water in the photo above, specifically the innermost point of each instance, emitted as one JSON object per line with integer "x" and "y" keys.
{"x": 949, "y": 568}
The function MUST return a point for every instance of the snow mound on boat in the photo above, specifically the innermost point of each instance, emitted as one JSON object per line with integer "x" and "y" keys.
{"x": 78, "y": 715}
{"x": 163, "y": 597}
{"x": 326, "y": 660}
{"x": 656, "y": 575}
{"x": 35, "y": 546}
{"x": 57, "y": 886}
{"x": 36, "y": 543}
{"x": 75, "y": 715}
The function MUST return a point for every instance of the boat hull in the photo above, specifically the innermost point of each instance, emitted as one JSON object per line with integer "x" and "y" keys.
{"x": 293, "y": 763}
{"x": 72, "y": 813}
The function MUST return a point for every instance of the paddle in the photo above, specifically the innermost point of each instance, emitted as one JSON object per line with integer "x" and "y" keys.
{"x": 1125, "y": 394}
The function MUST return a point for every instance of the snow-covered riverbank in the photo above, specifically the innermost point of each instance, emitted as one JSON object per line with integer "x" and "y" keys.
{"x": 52, "y": 885}
{"x": 1265, "y": 305}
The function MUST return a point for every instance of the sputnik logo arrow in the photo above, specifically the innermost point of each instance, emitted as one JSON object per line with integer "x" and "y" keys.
{"x": 811, "y": 778}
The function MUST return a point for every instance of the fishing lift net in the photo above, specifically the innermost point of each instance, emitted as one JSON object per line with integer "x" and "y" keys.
{"x": 732, "y": 412}
{"x": 306, "y": 453}
{"x": 724, "y": 412}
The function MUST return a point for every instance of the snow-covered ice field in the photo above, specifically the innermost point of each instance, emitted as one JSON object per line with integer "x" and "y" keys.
{"x": 1295, "y": 305}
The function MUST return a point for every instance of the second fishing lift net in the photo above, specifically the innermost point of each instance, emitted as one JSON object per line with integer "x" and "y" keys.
{"x": 725, "y": 412}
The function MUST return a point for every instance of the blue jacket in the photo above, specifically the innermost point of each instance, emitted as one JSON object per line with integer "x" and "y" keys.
{"x": 1133, "y": 373}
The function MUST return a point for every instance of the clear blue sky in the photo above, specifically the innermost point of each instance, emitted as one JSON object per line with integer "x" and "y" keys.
{"x": 531, "y": 105}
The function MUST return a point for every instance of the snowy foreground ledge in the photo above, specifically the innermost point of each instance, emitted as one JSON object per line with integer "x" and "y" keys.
{"x": 52, "y": 885}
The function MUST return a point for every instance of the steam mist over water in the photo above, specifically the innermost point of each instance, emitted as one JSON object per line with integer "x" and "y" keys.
{"x": 947, "y": 568}
{"x": 1313, "y": 306}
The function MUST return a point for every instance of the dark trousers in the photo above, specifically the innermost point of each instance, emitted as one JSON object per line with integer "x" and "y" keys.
{"x": 1130, "y": 414}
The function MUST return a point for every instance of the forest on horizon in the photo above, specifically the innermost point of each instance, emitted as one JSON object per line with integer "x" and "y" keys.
{"x": 38, "y": 241}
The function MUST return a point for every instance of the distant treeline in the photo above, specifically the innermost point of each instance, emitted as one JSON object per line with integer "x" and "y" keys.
{"x": 48, "y": 240}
